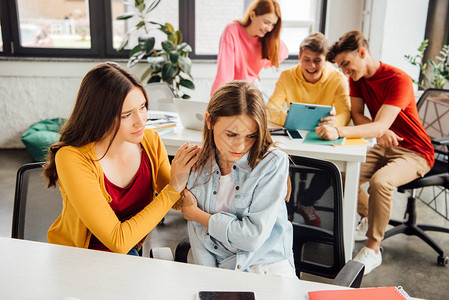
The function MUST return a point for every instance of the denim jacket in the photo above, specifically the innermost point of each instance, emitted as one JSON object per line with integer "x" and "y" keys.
{"x": 256, "y": 224}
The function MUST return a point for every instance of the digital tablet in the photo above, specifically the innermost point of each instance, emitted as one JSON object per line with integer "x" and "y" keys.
{"x": 303, "y": 116}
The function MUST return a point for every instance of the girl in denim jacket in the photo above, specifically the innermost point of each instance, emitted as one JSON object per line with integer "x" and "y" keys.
{"x": 235, "y": 198}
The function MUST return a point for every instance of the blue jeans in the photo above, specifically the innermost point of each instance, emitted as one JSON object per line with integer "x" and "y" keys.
{"x": 134, "y": 251}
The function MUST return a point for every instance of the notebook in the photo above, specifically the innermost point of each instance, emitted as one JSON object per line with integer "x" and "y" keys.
{"x": 384, "y": 293}
{"x": 191, "y": 112}
{"x": 313, "y": 138}
{"x": 306, "y": 116}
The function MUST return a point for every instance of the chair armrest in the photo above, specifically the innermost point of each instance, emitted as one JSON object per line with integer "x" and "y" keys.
{"x": 350, "y": 275}
{"x": 161, "y": 253}
{"x": 182, "y": 250}
{"x": 443, "y": 141}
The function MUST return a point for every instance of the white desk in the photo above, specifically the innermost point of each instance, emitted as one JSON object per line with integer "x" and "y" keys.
{"x": 32, "y": 270}
{"x": 347, "y": 158}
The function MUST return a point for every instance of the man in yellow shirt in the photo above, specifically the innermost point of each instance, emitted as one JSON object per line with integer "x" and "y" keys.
{"x": 312, "y": 81}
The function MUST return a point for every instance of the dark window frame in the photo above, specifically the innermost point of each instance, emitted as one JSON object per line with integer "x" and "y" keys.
{"x": 100, "y": 31}
{"x": 100, "y": 17}
{"x": 187, "y": 13}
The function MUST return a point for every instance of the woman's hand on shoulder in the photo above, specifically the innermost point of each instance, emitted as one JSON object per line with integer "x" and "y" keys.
{"x": 185, "y": 158}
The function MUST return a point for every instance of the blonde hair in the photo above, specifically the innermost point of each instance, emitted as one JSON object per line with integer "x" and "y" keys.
{"x": 233, "y": 99}
{"x": 271, "y": 41}
{"x": 315, "y": 42}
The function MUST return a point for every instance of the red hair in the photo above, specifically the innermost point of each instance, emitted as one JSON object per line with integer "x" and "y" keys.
{"x": 271, "y": 40}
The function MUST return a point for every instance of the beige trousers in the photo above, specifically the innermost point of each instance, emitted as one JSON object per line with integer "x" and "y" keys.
{"x": 385, "y": 169}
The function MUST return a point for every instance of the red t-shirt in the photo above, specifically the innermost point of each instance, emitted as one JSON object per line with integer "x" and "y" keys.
{"x": 128, "y": 201}
{"x": 392, "y": 86}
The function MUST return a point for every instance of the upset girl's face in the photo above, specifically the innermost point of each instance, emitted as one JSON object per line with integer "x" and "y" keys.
{"x": 233, "y": 136}
{"x": 133, "y": 117}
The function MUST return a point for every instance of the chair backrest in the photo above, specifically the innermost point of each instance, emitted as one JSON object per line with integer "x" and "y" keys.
{"x": 433, "y": 109}
{"x": 35, "y": 206}
{"x": 318, "y": 250}
{"x": 160, "y": 96}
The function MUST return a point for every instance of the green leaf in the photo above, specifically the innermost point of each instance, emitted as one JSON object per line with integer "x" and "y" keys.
{"x": 169, "y": 27}
{"x": 146, "y": 42}
{"x": 140, "y": 24}
{"x": 141, "y": 7}
{"x": 171, "y": 38}
{"x": 174, "y": 56}
{"x": 178, "y": 36}
{"x": 164, "y": 29}
{"x": 167, "y": 46}
{"x": 153, "y": 5}
{"x": 185, "y": 96}
{"x": 185, "y": 63}
{"x": 145, "y": 74}
{"x": 135, "y": 59}
{"x": 126, "y": 15}
{"x": 155, "y": 78}
{"x": 187, "y": 83}
{"x": 169, "y": 70}
{"x": 135, "y": 50}
{"x": 184, "y": 47}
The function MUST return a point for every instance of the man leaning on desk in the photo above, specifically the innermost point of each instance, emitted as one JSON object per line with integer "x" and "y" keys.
{"x": 312, "y": 81}
{"x": 403, "y": 151}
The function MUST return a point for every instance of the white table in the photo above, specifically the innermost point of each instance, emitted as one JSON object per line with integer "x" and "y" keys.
{"x": 33, "y": 270}
{"x": 347, "y": 158}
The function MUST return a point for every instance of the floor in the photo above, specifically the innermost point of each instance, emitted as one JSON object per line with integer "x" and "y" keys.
{"x": 407, "y": 261}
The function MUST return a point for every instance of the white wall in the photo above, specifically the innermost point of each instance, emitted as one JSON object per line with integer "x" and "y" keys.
{"x": 397, "y": 28}
{"x": 32, "y": 89}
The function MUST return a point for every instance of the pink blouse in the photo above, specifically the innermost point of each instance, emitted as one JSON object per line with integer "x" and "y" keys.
{"x": 240, "y": 56}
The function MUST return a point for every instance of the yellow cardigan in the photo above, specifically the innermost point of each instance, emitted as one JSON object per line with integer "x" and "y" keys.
{"x": 332, "y": 89}
{"x": 86, "y": 208}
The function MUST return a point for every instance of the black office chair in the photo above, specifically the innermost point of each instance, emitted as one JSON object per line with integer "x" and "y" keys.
{"x": 433, "y": 108}
{"x": 317, "y": 250}
{"x": 35, "y": 206}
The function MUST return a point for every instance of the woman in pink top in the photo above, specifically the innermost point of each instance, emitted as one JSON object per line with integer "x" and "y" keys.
{"x": 248, "y": 45}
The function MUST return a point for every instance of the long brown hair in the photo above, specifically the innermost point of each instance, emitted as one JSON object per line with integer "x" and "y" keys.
{"x": 271, "y": 41}
{"x": 97, "y": 111}
{"x": 233, "y": 99}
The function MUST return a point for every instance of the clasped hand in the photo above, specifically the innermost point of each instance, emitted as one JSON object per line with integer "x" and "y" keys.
{"x": 189, "y": 205}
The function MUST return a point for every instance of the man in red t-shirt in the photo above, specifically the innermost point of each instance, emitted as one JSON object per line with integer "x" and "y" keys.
{"x": 403, "y": 151}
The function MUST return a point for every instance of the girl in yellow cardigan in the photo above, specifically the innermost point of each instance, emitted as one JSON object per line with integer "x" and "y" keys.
{"x": 109, "y": 167}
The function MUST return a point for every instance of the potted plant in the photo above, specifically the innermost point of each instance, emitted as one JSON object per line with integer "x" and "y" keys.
{"x": 434, "y": 74}
{"x": 170, "y": 64}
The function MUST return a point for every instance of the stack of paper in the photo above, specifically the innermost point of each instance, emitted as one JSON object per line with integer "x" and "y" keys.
{"x": 162, "y": 124}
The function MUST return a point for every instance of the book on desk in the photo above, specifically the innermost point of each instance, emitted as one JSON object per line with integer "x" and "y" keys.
{"x": 384, "y": 293}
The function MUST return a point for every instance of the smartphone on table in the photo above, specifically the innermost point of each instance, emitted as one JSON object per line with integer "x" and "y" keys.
{"x": 226, "y": 295}
{"x": 294, "y": 134}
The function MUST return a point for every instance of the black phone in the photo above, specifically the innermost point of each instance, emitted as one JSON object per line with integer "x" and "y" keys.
{"x": 226, "y": 295}
{"x": 294, "y": 134}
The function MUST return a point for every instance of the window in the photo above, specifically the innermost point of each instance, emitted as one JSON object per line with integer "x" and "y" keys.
{"x": 88, "y": 28}
{"x": 165, "y": 12}
{"x": 54, "y": 24}
{"x": 300, "y": 18}
{"x": 211, "y": 17}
